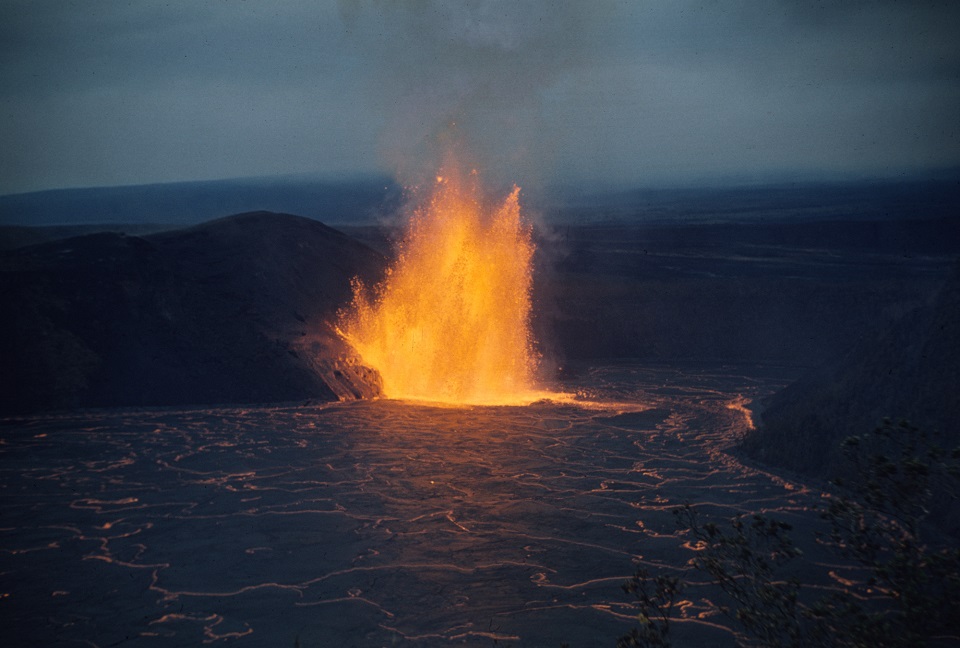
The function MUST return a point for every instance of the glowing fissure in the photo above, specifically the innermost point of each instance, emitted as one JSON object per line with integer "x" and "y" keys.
{"x": 450, "y": 322}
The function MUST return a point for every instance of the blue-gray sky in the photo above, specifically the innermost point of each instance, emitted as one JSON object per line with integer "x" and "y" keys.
{"x": 625, "y": 92}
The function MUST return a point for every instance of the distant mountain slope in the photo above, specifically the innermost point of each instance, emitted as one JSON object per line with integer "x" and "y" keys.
{"x": 188, "y": 203}
{"x": 911, "y": 370}
{"x": 234, "y": 310}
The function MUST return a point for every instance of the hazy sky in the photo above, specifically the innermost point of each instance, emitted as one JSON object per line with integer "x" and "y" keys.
{"x": 631, "y": 92}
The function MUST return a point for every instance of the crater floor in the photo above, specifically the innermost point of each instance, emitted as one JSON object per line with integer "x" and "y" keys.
{"x": 375, "y": 523}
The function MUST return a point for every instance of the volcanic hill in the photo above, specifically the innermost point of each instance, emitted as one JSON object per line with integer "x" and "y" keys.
{"x": 235, "y": 310}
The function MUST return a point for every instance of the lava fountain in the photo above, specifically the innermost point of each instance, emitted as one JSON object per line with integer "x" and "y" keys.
{"x": 450, "y": 322}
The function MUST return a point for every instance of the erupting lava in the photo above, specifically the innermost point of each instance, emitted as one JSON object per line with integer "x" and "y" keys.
{"x": 451, "y": 320}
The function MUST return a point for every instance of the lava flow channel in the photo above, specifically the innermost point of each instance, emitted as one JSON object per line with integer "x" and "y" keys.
{"x": 450, "y": 322}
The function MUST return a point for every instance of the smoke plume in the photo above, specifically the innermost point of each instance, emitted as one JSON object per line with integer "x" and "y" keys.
{"x": 469, "y": 76}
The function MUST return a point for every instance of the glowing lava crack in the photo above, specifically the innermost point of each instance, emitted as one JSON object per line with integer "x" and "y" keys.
{"x": 450, "y": 322}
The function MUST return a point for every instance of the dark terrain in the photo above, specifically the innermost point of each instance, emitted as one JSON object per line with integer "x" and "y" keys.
{"x": 844, "y": 280}
{"x": 222, "y": 518}
{"x": 758, "y": 293}
{"x": 909, "y": 370}
{"x": 234, "y": 310}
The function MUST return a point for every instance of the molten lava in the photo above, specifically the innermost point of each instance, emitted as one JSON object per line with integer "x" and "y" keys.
{"x": 451, "y": 320}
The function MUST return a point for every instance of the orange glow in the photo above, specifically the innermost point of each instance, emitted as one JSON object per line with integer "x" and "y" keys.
{"x": 450, "y": 322}
{"x": 739, "y": 404}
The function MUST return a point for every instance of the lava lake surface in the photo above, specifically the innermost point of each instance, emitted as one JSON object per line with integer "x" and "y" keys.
{"x": 378, "y": 523}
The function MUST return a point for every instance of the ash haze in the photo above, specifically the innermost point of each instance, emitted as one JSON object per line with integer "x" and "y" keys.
{"x": 613, "y": 93}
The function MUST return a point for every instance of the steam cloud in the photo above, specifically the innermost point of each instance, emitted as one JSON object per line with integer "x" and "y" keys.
{"x": 469, "y": 76}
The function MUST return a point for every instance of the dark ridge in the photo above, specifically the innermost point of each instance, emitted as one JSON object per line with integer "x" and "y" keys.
{"x": 15, "y": 236}
{"x": 230, "y": 311}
